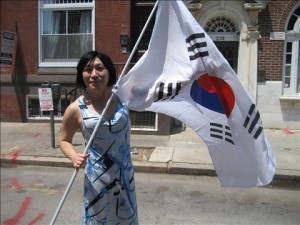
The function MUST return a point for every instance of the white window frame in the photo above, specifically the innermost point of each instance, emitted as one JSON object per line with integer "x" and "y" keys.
{"x": 294, "y": 38}
{"x": 62, "y": 6}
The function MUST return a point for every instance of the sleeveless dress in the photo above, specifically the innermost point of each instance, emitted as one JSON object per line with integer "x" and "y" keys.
{"x": 109, "y": 185}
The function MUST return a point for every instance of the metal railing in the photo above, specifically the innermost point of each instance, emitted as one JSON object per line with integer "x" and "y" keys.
{"x": 139, "y": 120}
{"x": 33, "y": 104}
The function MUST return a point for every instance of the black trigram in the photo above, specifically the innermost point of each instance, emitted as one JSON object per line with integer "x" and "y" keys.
{"x": 221, "y": 131}
{"x": 252, "y": 120}
{"x": 196, "y": 46}
{"x": 169, "y": 91}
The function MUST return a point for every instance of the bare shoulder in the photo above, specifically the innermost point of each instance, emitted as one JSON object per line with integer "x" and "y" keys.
{"x": 72, "y": 120}
{"x": 72, "y": 113}
{"x": 73, "y": 108}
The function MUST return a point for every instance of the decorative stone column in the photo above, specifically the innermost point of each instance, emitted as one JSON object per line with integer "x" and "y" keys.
{"x": 195, "y": 9}
{"x": 251, "y": 36}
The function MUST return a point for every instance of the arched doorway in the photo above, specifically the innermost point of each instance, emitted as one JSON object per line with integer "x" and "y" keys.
{"x": 232, "y": 26}
{"x": 223, "y": 31}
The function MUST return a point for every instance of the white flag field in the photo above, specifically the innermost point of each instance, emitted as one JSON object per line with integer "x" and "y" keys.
{"x": 183, "y": 75}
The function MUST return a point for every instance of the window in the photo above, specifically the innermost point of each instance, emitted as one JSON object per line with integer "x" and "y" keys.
{"x": 34, "y": 111}
{"x": 229, "y": 50}
{"x": 141, "y": 12}
{"x": 66, "y": 29}
{"x": 223, "y": 31}
{"x": 291, "y": 70}
{"x": 222, "y": 28}
{"x": 143, "y": 120}
{"x": 220, "y": 24}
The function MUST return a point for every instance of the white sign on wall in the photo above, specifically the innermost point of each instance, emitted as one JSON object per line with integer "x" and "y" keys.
{"x": 277, "y": 36}
{"x": 8, "y": 52}
{"x": 45, "y": 98}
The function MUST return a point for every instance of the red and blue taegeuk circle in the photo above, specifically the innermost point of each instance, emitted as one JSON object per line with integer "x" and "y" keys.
{"x": 213, "y": 93}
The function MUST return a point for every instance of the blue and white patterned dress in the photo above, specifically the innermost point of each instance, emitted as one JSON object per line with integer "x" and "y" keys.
{"x": 109, "y": 185}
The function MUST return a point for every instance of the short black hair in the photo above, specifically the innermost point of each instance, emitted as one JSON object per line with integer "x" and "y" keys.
{"x": 90, "y": 57}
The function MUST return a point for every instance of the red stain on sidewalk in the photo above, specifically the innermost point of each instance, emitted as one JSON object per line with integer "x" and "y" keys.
{"x": 35, "y": 134}
{"x": 15, "y": 220}
{"x": 288, "y": 131}
{"x": 38, "y": 218}
{"x": 16, "y": 183}
{"x": 15, "y": 156}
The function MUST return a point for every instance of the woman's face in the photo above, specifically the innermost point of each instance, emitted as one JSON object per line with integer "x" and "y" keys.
{"x": 95, "y": 75}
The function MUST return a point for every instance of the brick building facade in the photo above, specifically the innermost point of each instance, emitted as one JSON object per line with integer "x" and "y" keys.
{"x": 270, "y": 56}
{"x": 263, "y": 38}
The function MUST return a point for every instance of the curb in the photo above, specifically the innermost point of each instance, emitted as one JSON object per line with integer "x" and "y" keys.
{"x": 142, "y": 167}
{"x": 191, "y": 169}
{"x": 36, "y": 161}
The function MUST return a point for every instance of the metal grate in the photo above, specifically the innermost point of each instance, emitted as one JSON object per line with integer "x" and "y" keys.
{"x": 45, "y": 2}
{"x": 143, "y": 120}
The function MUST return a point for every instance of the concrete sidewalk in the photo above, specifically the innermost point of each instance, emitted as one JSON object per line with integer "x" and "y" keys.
{"x": 183, "y": 152}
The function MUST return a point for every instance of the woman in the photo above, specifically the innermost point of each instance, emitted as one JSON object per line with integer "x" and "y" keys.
{"x": 109, "y": 186}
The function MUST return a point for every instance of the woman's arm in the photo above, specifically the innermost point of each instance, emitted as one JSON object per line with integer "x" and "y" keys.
{"x": 71, "y": 122}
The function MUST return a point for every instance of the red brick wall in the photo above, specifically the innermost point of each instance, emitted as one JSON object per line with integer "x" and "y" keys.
{"x": 270, "y": 52}
{"x": 20, "y": 17}
{"x": 111, "y": 21}
{"x": 24, "y": 14}
{"x": 10, "y": 110}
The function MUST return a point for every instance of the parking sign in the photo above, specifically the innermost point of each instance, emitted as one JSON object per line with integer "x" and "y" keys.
{"x": 45, "y": 98}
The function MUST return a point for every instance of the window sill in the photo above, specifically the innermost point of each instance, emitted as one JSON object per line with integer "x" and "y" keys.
{"x": 56, "y": 71}
{"x": 290, "y": 98}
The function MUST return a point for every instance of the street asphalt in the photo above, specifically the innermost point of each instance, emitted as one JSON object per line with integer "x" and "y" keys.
{"x": 182, "y": 152}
